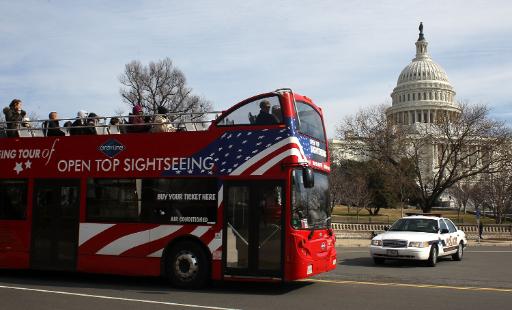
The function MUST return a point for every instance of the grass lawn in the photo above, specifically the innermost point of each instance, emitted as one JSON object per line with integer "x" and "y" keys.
{"x": 388, "y": 216}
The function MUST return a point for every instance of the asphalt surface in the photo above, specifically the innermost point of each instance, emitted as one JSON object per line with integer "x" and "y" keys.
{"x": 483, "y": 279}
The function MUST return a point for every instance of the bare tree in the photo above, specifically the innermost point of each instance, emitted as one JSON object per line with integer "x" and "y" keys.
{"x": 462, "y": 192}
{"x": 336, "y": 184}
{"x": 456, "y": 149}
{"x": 371, "y": 136}
{"x": 494, "y": 192}
{"x": 442, "y": 153}
{"x": 160, "y": 84}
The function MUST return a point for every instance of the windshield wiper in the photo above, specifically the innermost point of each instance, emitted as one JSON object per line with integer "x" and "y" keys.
{"x": 315, "y": 225}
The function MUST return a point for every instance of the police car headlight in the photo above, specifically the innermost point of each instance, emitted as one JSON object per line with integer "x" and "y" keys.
{"x": 377, "y": 242}
{"x": 417, "y": 244}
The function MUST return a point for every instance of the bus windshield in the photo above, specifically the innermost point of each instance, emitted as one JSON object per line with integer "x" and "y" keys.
{"x": 310, "y": 206}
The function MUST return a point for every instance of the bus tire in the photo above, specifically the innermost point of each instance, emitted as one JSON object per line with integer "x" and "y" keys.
{"x": 187, "y": 265}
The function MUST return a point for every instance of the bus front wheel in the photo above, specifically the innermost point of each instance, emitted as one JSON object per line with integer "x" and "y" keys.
{"x": 187, "y": 265}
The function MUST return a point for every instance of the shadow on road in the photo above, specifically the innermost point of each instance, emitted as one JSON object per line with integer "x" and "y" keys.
{"x": 368, "y": 262}
{"x": 146, "y": 285}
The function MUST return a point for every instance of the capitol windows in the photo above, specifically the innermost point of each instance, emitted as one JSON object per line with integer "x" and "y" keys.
{"x": 430, "y": 96}
{"x": 408, "y": 97}
{"x": 413, "y": 96}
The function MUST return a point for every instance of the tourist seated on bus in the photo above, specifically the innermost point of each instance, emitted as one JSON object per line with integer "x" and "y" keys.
{"x": 13, "y": 117}
{"x": 161, "y": 122}
{"x": 52, "y": 127}
{"x": 137, "y": 121}
{"x": 264, "y": 117}
{"x": 276, "y": 112}
{"x": 80, "y": 126}
{"x": 92, "y": 123}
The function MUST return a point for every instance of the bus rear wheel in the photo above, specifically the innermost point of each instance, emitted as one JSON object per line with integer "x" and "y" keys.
{"x": 187, "y": 265}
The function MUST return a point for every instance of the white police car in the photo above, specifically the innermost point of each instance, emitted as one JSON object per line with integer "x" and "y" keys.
{"x": 419, "y": 237}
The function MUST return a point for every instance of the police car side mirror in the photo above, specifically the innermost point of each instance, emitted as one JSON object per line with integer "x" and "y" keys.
{"x": 444, "y": 231}
{"x": 308, "y": 178}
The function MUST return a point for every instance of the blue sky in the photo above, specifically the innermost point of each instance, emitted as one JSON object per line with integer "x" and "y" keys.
{"x": 67, "y": 55}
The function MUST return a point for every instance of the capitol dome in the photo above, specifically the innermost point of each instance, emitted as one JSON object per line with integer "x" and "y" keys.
{"x": 423, "y": 93}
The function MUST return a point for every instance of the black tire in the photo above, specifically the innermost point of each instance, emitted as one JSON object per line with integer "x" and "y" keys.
{"x": 432, "y": 259}
{"x": 459, "y": 254}
{"x": 187, "y": 265}
{"x": 379, "y": 260}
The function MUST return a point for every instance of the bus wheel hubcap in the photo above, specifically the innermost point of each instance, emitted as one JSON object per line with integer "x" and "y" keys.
{"x": 186, "y": 265}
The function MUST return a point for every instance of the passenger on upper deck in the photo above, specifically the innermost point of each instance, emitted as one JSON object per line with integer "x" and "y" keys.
{"x": 79, "y": 126}
{"x": 276, "y": 112}
{"x": 52, "y": 125}
{"x": 14, "y": 116}
{"x": 161, "y": 122}
{"x": 264, "y": 117}
{"x": 137, "y": 122}
{"x": 92, "y": 123}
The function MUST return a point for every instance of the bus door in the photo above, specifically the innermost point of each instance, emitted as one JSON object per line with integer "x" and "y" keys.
{"x": 55, "y": 220}
{"x": 253, "y": 234}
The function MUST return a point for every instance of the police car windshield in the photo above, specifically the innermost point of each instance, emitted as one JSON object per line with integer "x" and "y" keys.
{"x": 418, "y": 225}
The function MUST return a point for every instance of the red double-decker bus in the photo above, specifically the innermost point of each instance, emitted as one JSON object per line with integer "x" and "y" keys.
{"x": 245, "y": 197}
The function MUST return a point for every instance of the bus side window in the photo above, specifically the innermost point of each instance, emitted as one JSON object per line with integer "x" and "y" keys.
{"x": 13, "y": 199}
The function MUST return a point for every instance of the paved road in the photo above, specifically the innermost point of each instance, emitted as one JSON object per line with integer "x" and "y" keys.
{"x": 483, "y": 278}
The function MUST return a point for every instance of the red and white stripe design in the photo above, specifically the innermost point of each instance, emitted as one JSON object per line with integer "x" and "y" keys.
{"x": 268, "y": 158}
{"x": 144, "y": 240}
{"x": 140, "y": 240}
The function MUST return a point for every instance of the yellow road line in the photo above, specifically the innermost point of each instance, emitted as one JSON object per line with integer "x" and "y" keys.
{"x": 460, "y": 288}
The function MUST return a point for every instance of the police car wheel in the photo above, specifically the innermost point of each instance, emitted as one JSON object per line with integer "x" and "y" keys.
{"x": 378, "y": 260}
{"x": 432, "y": 259}
{"x": 459, "y": 254}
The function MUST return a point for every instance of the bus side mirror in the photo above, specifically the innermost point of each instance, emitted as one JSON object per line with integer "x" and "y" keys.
{"x": 308, "y": 178}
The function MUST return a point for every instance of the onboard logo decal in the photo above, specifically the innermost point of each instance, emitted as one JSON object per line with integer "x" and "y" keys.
{"x": 111, "y": 148}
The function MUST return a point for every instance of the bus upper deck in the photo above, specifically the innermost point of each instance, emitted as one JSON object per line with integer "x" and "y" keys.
{"x": 223, "y": 146}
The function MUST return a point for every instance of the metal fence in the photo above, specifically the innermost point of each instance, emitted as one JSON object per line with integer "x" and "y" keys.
{"x": 366, "y": 231}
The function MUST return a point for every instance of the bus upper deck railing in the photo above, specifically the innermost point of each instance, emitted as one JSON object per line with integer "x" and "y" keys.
{"x": 181, "y": 121}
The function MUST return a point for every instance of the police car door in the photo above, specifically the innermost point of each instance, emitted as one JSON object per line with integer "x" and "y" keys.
{"x": 448, "y": 237}
{"x": 454, "y": 233}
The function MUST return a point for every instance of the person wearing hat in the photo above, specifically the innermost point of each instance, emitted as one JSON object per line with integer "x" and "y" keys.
{"x": 14, "y": 116}
{"x": 78, "y": 126}
{"x": 137, "y": 121}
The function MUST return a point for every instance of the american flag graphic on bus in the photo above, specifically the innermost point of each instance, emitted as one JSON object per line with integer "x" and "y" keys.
{"x": 247, "y": 152}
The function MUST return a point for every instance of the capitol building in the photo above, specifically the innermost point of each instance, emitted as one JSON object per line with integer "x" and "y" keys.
{"x": 423, "y": 93}
{"x": 423, "y": 96}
